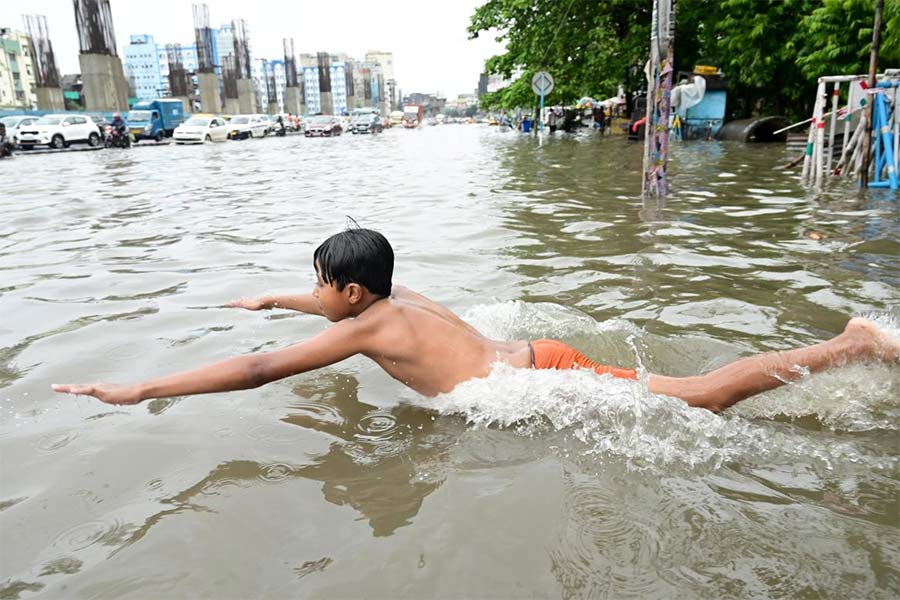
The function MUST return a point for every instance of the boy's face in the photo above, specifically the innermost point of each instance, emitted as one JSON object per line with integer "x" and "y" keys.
{"x": 334, "y": 305}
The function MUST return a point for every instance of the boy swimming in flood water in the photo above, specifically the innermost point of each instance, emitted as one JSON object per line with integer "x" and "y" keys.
{"x": 428, "y": 348}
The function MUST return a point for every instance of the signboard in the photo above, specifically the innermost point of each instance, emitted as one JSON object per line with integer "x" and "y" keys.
{"x": 542, "y": 83}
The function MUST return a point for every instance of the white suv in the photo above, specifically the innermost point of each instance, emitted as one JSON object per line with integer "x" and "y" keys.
{"x": 14, "y": 124}
{"x": 58, "y": 131}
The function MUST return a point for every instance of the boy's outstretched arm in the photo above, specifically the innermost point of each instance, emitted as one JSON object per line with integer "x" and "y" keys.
{"x": 239, "y": 373}
{"x": 299, "y": 302}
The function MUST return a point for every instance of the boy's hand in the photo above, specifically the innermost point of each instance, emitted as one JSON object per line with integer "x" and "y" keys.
{"x": 248, "y": 303}
{"x": 110, "y": 393}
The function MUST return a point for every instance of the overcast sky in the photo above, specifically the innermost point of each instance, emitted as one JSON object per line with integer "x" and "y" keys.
{"x": 428, "y": 39}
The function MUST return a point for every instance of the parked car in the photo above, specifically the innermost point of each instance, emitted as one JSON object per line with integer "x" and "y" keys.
{"x": 198, "y": 130}
{"x": 59, "y": 131}
{"x": 269, "y": 121}
{"x": 240, "y": 127}
{"x": 14, "y": 124}
{"x": 323, "y": 126}
{"x": 366, "y": 123}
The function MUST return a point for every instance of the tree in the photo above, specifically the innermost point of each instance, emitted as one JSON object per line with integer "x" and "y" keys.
{"x": 771, "y": 51}
{"x": 838, "y": 38}
{"x": 587, "y": 48}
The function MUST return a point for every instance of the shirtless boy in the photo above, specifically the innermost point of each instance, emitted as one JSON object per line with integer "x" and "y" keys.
{"x": 428, "y": 348}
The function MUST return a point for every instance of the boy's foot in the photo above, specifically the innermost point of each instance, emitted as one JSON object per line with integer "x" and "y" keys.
{"x": 872, "y": 342}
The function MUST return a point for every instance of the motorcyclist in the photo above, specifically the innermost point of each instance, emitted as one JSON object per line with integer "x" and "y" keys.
{"x": 120, "y": 128}
{"x": 6, "y": 146}
{"x": 280, "y": 129}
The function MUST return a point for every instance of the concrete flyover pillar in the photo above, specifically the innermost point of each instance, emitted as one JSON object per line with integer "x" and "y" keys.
{"x": 104, "y": 86}
{"x": 186, "y": 104}
{"x": 292, "y": 100}
{"x": 208, "y": 84}
{"x": 232, "y": 107}
{"x": 247, "y": 96}
{"x": 327, "y": 103}
{"x": 273, "y": 108}
{"x": 50, "y": 98}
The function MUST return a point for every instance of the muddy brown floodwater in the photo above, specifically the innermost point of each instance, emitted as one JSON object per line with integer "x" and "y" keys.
{"x": 340, "y": 483}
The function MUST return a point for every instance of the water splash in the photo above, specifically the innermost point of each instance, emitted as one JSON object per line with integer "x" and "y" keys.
{"x": 622, "y": 418}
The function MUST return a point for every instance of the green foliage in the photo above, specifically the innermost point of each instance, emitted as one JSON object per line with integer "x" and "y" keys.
{"x": 839, "y": 35}
{"x": 771, "y": 51}
{"x": 587, "y": 46}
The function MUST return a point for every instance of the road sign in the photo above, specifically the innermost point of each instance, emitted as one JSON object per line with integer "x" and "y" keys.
{"x": 542, "y": 83}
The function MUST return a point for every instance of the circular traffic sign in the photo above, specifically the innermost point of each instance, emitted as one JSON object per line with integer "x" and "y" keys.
{"x": 542, "y": 83}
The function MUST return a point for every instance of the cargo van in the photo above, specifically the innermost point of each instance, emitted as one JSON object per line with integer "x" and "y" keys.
{"x": 155, "y": 119}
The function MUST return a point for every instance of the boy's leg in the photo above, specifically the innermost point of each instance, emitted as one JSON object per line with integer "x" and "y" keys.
{"x": 861, "y": 341}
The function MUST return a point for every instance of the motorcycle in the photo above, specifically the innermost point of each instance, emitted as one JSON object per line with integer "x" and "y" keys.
{"x": 117, "y": 137}
{"x": 6, "y": 147}
{"x": 280, "y": 129}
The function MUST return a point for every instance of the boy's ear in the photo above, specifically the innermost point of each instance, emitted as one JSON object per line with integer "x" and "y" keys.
{"x": 354, "y": 292}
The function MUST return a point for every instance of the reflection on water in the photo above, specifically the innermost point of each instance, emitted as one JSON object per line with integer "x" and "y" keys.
{"x": 340, "y": 483}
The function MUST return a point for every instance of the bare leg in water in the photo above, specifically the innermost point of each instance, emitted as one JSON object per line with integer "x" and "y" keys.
{"x": 860, "y": 341}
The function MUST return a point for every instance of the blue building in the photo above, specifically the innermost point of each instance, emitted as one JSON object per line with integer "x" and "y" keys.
{"x": 147, "y": 64}
{"x": 309, "y": 76}
{"x": 142, "y": 67}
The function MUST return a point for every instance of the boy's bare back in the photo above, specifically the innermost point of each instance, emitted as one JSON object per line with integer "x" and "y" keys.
{"x": 426, "y": 346}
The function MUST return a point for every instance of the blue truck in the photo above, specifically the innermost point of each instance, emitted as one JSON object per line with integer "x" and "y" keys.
{"x": 155, "y": 119}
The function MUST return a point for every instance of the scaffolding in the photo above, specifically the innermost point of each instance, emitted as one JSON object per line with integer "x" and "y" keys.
{"x": 93, "y": 19}
{"x": 324, "y": 62}
{"x": 835, "y": 142}
{"x": 204, "y": 39}
{"x": 241, "y": 48}
{"x": 180, "y": 84}
{"x": 45, "y": 72}
{"x": 229, "y": 77}
{"x": 290, "y": 63}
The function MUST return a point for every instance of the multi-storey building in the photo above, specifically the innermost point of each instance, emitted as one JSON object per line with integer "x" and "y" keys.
{"x": 386, "y": 60}
{"x": 17, "y": 82}
{"x": 147, "y": 66}
{"x": 309, "y": 76}
{"x": 264, "y": 72}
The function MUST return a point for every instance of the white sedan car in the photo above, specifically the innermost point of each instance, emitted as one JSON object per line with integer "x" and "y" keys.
{"x": 14, "y": 124}
{"x": 198, "y": 130}
{"x": 241, "y": 127}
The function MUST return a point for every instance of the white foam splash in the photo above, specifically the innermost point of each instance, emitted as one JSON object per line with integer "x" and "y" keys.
{"x": 622, "y": 418}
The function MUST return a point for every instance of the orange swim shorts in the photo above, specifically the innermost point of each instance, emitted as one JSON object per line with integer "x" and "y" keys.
{"x": 552, "y": 354}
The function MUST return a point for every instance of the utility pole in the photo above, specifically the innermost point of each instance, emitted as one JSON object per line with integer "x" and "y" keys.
{"x": 873, "y": 69}
{"x": 659, "y": 87}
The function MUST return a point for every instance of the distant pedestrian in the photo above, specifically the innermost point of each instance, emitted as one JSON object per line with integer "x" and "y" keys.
{"x": 551, "y": 120}
{"x": 6, "y": 147}
{"x": 600, "y": 119}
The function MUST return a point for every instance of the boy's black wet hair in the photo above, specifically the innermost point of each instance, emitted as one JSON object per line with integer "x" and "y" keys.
{"x": 358, "y": 256}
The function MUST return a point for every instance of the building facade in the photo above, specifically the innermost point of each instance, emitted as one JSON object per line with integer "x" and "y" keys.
{"x": 147, "y": 66}
{"x": 386, "y": 61}
{"x": 147, "y": 69}
{"x": 142, "y": 67}
{"x": 309, "y": 79}
{"x": 265, "y": 73}
{"x": 17, "y": 81}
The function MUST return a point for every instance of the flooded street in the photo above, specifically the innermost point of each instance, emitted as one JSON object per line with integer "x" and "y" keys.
{"x": 341, "y": 483}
